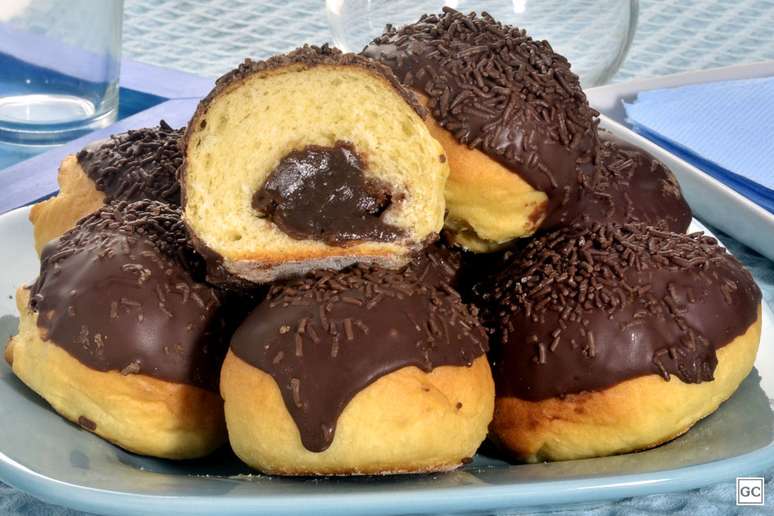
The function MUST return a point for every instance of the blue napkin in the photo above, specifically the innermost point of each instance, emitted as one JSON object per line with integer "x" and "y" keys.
{"x": 724, "y": 128}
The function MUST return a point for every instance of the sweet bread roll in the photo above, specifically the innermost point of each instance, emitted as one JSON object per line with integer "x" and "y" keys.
{"x": 610, "y": 339}
{"x": 629, "y": 185}
{"x": 139, "y": 164}
{"x": 365, "y": 371}
{"x": 314, "y": 159}
{"x": 511, "y": 116}
{"x": 119, "y": 336}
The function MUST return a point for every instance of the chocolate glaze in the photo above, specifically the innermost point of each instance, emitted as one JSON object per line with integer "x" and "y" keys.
{"x": 327, "y": 336}
{"x": 119, "y": 292}
{"x": 498, "y": 90}
{"x": 321, "y": 193}
{"x": 585, "y": 308}
{"x": 438, "y": 263}
{"x": 139, "y": 164}
{"x": 630, "y": 185}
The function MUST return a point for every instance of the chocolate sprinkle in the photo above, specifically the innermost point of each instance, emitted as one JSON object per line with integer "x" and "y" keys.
{"x": 630, "y": 185}
{"x": 87, "y": 423}
{"x": 162, "y": 322}
{"x": 585, "y": 308}
{"x": 357, "y": 345}
{"x": 498, "y": 90}
{"x": 438, "y": 264}
{"x": 136, "y": 165}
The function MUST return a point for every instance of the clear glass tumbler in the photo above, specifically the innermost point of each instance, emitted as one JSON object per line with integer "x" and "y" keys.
{"x": 593, "y": 34}
{"x": 59, "y": 68}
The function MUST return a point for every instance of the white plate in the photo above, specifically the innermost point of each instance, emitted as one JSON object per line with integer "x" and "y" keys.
{"x": 56, "y": 461}
{"x": 710, "y": 200}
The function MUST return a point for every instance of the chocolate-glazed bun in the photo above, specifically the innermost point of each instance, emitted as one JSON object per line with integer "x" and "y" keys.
{"x": 314, "y": 159}
{"x": 131, "y": 166}
{"x": 121, "y": 336}
{"x": 608, "y": 339}
{"x": 512, "y": 118}
{"x": 363, "y": 371}
{"x": 136, "y": 165}
{"x": 630, "y": 185}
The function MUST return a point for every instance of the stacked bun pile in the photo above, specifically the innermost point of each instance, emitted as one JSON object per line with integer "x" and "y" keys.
{"x": 369, "y": 264}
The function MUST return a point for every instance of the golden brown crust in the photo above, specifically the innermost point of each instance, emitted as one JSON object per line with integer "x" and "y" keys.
{"x": 139, "y": 413}
{"x": 636, "y": 414}
{"x": 488, "y": 204}
{"x": 8, "y": 353}
{"x": 77, "y": 198}
{"x": 406, "y": 422}
{"x": 264, "y": 268}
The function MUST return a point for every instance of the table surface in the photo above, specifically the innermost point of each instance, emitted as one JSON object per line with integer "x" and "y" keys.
{"x": 209, "y": 37}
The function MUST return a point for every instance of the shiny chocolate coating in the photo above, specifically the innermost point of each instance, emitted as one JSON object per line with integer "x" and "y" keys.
{"x": 587, "y": 307}
{"x": 327, "y": 336}
{"x": 630, "y": 185}
{"x": 498, "y": 90}
{"x": 321, "y": 193}
{"x": 439, "y": 262}
{"x": 136, "y": 165}
{"x": 119, "y": 292}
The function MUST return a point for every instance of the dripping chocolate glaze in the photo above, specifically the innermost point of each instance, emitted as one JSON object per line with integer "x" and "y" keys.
{"x": 118, "y": 293}
{"x": 630, "y": 185}
{"x": 321, "y": 193}
{"x": 327, "y": 336}
{"x": 498, "y": 90}
{"x": 585, "y": 308}
{"x": 139, "y": 164}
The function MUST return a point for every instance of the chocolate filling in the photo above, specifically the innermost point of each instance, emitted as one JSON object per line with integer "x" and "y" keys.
{"x": 321, "y": 193}
{"x": 118, "y": 294}
{"x": 498, "y": 90}
{"x": 136, "y": 165}
{"x": 326, "y": 337}
{"x": 585, "y": 308}
{"x": 630, "y": 185}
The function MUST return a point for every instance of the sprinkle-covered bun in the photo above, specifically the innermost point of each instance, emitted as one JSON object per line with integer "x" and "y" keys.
{"x": 121, "y": 336}
{"x": 132, "y": 166}
{"x": 136, "y": 165}
{"x": 630, "y": 185}
{"x": 585, "y": 317}
{"x": 308, "y": 160}
{"x": 510, "y": 114}
{"x": 363, "y": 371}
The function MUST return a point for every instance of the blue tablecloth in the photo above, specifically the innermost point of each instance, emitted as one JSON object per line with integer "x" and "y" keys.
{"x": 673, "y": 36}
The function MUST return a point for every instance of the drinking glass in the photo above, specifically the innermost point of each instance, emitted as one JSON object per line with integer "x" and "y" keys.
{"x": 593, "y": 34}
{"x": 59, "y": 68}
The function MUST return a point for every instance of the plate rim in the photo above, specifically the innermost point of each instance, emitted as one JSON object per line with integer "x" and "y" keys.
{"x": 444, "y": 499}
{"x": 608, "y": 98}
